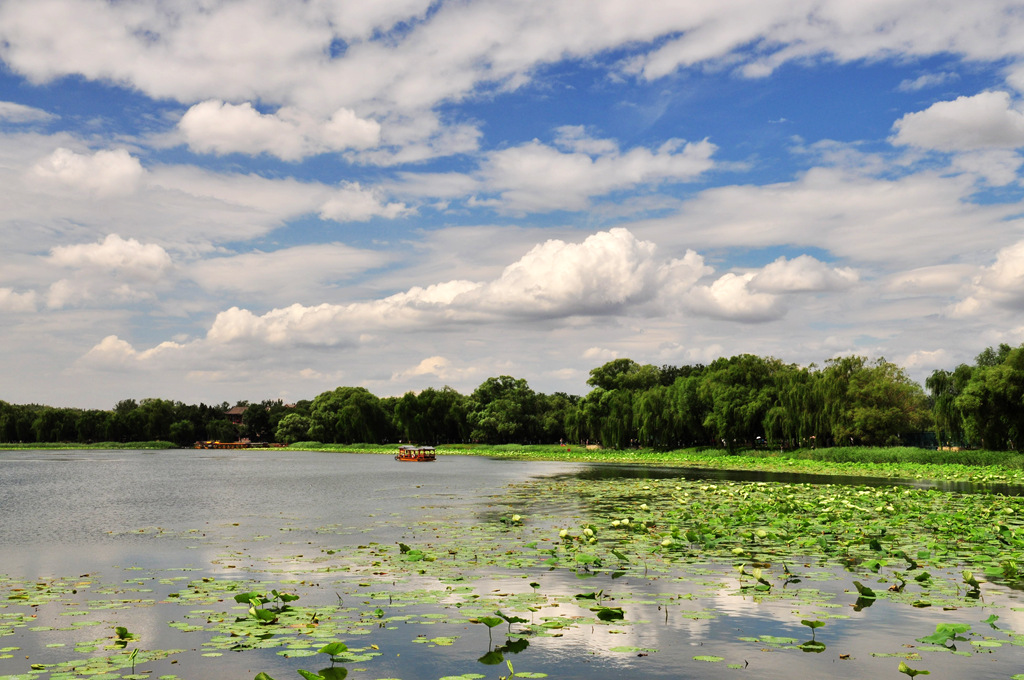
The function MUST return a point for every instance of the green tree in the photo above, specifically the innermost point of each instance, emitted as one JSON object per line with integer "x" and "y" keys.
{"x": 183, "y": 433}
{"x": 740, "y": 390}
{"x": 432, "y": 416}
{"x": 256, "y": 423}
{"x": 55, "y": 425}
{"x": 292, "y": 428}
{"x": 690, "y": 408}
{"x": 992, "y": 401}
{"x": 944, "y": 387}
{"x": 624, "y": 374}
{"x": 870, "y": 403}
{"x": 348, "y": 415}
{"x": 91, "y": 425}
{"x": 503, "y": 410}
{"x": 554, "y": 410}
{"x": 656, "y": 422}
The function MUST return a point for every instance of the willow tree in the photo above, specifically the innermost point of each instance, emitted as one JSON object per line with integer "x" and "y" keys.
{"x": 347, "y": 415}
{"x": 944, "y": 387}
{"x": 992, "y": 401}
{"x": 740, "y": 390}
{"x": 871, "y": 403}
{"x": 504, "y": 410}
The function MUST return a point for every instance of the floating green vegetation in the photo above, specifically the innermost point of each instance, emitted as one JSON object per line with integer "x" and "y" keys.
{"x": 825, "y": 552}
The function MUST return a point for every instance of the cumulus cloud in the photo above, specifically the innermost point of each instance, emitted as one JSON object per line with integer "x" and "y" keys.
{"x": 12, "y": 301}
{"x": 984, "y": 121}
{"x": 730, "y": 297}
{"x": 757, "y": 296}
{"x": 294, "y": 325}
{"x": 290, "y": 134}
{"x": 105, "y": 173}
{"x": 114, "y": 270}
{"x": 1000, "y": 284}
{"x": 113, "y": 353}
{"x": 145, "y": 261}
{"x": 802, "y": 274}
{"x": 437, "y": 367}
{"x": 10, "y": 112}
{"x": 601, "y": 354}
{"x": 537, "y": 177}
{"x": 607, "y": 274}
{"x": 603, "y": 273}
{"x": 352, "y": 203}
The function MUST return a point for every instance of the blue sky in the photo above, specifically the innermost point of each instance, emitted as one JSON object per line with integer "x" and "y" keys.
{"x": 217, "y": 200}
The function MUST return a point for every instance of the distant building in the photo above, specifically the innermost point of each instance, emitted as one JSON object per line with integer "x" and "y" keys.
{"x": 235, "y": 414}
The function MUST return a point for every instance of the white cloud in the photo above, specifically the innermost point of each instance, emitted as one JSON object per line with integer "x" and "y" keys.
{"x": 730, "y": 297}
{"x": 537, "y": 177}
{"x": 394, "y": 59}
{"x": 103, "y": 174}
{"x": 927, "y": 80}
{"x": 1001, "y": 284}
{"x": 116, "y": 270}
{"x": 437, "y": 367}
{"x": 113, "y": 353}
{"x": 801, "y": 274}
{"x": 997, "y": 167}
{"x": 912, "y": 221}
{"x": 12, "y": 112}
{"x": 929, "y": 360}
{"x": 608, "y": 274}
{"x": 353, "y": 203}
{"x": 603, "y": 273}
{"x": 984, "y": 121}
{"x": 144, "y": 261}
{"x": 290, "y": 326}
{"x": 417, "y": 136}
{"x": 301, "y": 272}
{"x": 932, "y": 280}
{"x": 12, "y": 301}
{"x": 290, "y": 134}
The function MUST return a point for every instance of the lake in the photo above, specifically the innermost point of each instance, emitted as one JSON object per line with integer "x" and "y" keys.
{"x": 457, "y": 569}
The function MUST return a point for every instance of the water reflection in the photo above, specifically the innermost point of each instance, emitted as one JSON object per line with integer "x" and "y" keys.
{"x": 131, "y": 530}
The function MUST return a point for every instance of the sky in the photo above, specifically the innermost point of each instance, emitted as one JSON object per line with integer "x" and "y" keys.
{"x": 224, "y": 200}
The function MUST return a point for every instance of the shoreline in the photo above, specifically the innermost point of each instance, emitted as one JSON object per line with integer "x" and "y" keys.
{"x": 980, "y": 466}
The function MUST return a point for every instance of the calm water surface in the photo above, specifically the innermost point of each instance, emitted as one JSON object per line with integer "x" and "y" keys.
{"x": 145, "y": 521}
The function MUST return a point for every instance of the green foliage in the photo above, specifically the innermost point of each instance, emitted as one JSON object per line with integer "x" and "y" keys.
{"x": 735, "y": 403}
{"x": 981, "y": 404}
{"x": 504, "y": 410}
{"x": 349, "y": 414}
{"x": 624, "y": 374}
{"x": 432, "y": 416}
{"x": 292, "y": 428}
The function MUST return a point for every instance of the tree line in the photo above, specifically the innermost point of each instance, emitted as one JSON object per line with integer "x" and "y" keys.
{"x": 735, "y": 402}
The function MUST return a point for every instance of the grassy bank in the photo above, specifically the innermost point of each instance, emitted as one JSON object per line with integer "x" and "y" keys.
{"x": 65, "y": 446}
{"x": 890, "y": 462}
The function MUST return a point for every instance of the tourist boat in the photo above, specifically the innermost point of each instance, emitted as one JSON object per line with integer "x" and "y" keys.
{"x": 416, "y": 454}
